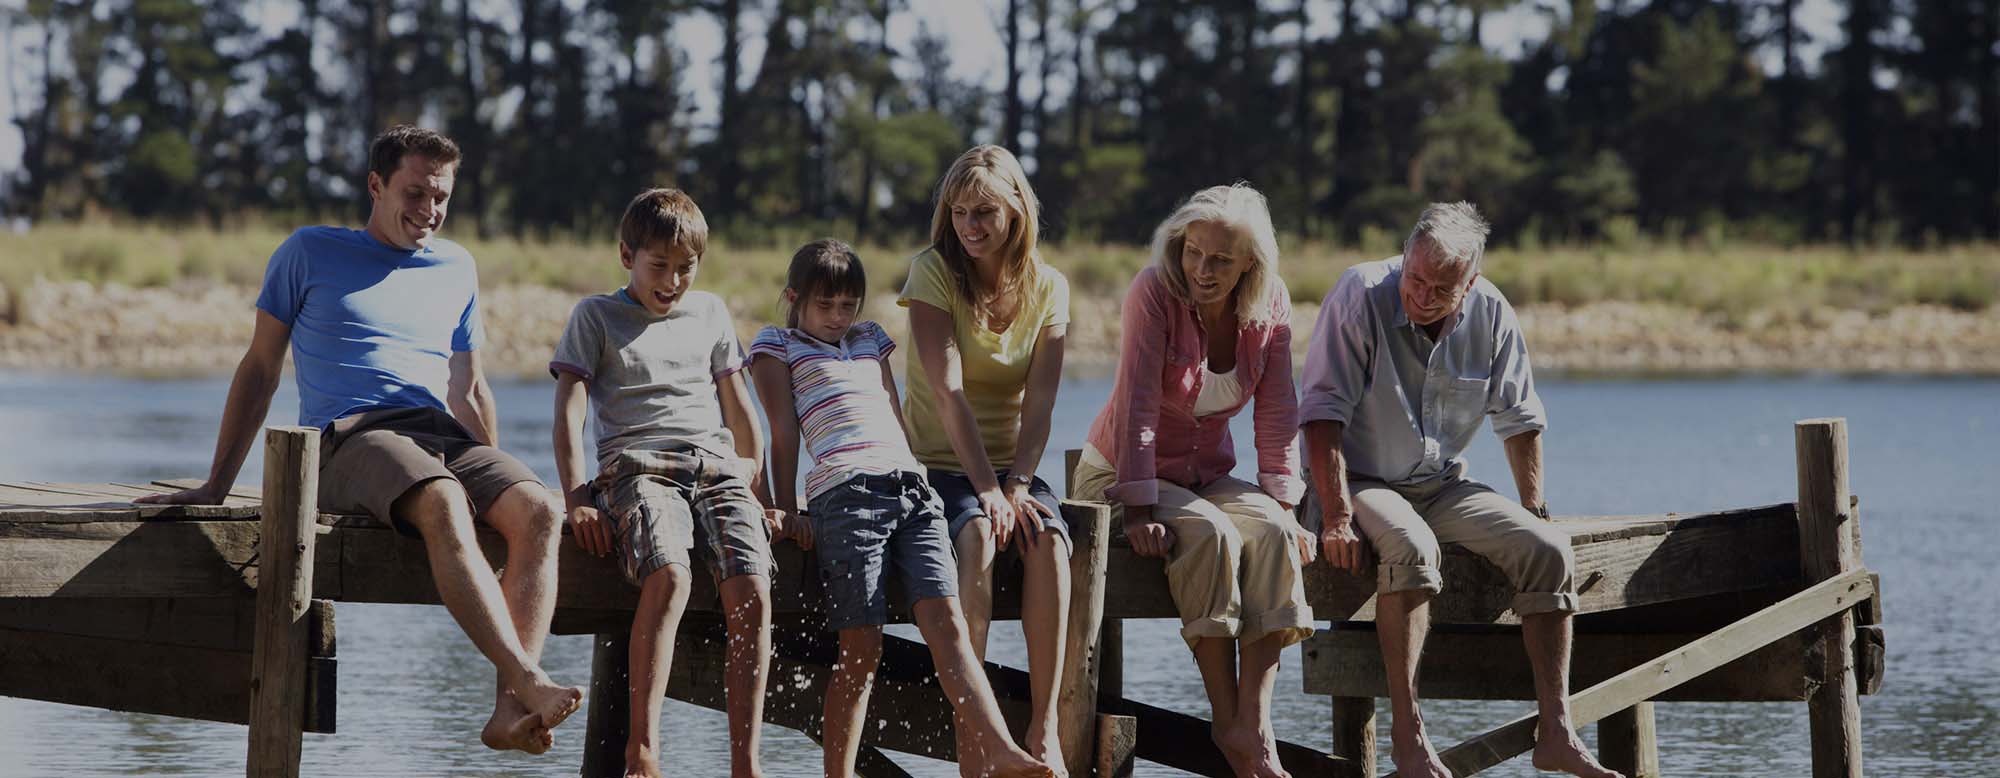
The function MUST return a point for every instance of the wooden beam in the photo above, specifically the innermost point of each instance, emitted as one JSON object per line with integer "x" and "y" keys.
{"x": 1627, "y": 742}
{"x": 1492, "y": 664}
{"x": 1076, "y": 702}
{"x": 1354, "y": 736}
{"x": 1829, "y": 546}
{"x": 1184, "y": 742}
{"x": 1619, "y": 565}
{"x": 284, "y": 594}
{"x": 203, "y": 682}
{"x": 608, "y": 724}
{"x": 1117, "y": 746}
{"x": 1651, "y": 679}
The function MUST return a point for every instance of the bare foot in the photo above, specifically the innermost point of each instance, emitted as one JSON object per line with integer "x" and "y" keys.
{"x": 1046, "y": 748}
{"x": 551, "y": 702}
{"x": 641, "y": 762}
{"x": 516, "y": 730}
{"x": 1559, "y": 749}
{"x": 1245, "y": 750}
{"x": 1012, "y": 762}
{"x": 1415, "y": 758}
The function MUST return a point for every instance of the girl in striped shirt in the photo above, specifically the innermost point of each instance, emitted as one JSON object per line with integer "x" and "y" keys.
{"x": 825, "y": 377}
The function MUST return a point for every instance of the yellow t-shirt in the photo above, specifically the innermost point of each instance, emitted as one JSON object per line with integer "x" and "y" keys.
{"x": 995, "y": 365}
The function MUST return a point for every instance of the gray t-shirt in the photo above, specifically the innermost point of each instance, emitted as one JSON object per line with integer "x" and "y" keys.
{"x": 652, "y": 379}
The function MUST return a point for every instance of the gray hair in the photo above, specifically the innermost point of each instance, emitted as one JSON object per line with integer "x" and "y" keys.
{"x": 1260, "y": 293}
{"x": 1456, "y": 234}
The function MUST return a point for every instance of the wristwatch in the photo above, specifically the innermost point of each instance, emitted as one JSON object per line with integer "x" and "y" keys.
{"x": 1024, "y": 479}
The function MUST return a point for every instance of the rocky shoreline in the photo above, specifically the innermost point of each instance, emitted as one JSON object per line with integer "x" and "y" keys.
{"x": 202, "y": 328}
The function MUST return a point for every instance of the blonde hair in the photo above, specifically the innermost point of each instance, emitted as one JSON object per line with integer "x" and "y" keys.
{"x": 1260, "y": 294}
{"x": 993, "y": 172}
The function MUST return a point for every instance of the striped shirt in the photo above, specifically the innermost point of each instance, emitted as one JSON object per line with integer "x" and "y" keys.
{"x": 845, "y": 416}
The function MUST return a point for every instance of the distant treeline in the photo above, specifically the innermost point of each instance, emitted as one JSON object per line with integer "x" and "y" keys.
{"x": 1632, "y": 117}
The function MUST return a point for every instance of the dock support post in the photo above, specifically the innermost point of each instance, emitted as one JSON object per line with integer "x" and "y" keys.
{"x": 607, "y": 725}
{"x": 1076, "y": 705}
{"x": 1626, "y": 742}
{"x": 1354, "y": 736}
{"x": 284, "y": 593}
{"x": 1829, "y": 545}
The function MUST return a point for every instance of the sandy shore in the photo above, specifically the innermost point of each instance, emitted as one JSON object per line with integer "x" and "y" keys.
{"x": 202, "y": 328}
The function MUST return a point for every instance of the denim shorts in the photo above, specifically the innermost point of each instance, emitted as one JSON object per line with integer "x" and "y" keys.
{"x": 961, "y": 501}
{"x": 659, "y": 503}
{"x": 869, "y": 528}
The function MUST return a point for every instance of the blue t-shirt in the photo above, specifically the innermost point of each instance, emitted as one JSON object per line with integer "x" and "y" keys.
{"x": 373, "y": 326}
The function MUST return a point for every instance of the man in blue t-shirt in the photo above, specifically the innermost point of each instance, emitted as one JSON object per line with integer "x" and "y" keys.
{"x": 383, "y": 325}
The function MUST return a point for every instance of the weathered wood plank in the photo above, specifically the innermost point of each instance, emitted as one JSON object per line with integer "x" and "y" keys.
{"x": 284, "y": 596}
{"x": 608, "y": 724}
{"x": 1184, "y": 742}
{"x": 1628, "y": 742}
{"x": 1117, "y": 746}
{"x": 1655, "y": 561}
{"x": 1493, "y": 665}
{"x": 189, "y": 681}
{"x": 128, "y": 559}
{"x": 1829, "y": 546}
{"x": 1651, "y": 679}
{"x": 223, "y": 623}
{"x": 1076, "y": 703}
{"x": 1354, "y": 736}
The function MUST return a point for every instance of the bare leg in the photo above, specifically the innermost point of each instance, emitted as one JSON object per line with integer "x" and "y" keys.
{"x": 975, "y": 591}
{"x": 1216, "y": 659}
{"x": 847, "y": 698}
{"x": 1258, "y": 679}
{"x": 746, "y": 601}
{"x": 662, "y": 599}
{"x": 441, "y": 513}
{"x": 991, "y": 751}
{"x": 1045, "y": 620}
{"x": 1547, "y": 637}
{"x": 527, "y": 518}
{"x": 1402, "y": 619}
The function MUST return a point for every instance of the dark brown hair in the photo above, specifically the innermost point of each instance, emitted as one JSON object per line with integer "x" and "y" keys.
{"x": 663, "y": 216}
{"x": 824, "y": 267}
{"x": 386, "y": 152}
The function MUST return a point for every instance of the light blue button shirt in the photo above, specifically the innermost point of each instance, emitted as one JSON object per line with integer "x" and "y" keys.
{"x": 1410, "y": 404}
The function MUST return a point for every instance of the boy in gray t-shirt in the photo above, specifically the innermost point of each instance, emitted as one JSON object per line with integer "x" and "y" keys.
{"x": 678, "y": 461}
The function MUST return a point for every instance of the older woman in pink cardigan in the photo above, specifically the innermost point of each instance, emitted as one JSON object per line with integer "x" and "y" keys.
{"x": 1207, "y": 331}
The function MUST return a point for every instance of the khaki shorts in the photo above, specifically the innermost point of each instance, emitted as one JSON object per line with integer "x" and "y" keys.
{"x": 368, "y": 460}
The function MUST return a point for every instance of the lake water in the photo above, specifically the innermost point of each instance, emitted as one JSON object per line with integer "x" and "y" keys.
{"x": 413, "y": 691}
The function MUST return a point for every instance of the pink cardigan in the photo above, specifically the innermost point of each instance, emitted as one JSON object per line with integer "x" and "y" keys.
{"x": 1149, "y": 431}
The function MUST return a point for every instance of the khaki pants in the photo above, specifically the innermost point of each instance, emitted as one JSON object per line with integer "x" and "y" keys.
{"x": 1233, "y": 569}
{"x": 1406, "y": 524}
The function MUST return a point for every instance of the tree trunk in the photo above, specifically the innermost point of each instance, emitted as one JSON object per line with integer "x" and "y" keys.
{"x": 1788, "y": 93}
{"x": 1857, "y": 125}
{"x": 1302, "y": 116}
{"x": 864, "y": 208}
{"x": 471, "y": 134}
{"x": 1039, "y": 111}
{"x": 727, "y": 146}
{"x": 1010, "y": 131}
{"x": 1078, "y": 105}
{"x": 1989, "y": 121}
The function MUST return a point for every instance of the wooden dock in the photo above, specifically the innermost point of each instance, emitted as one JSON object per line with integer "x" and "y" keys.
{"x": 225, "y": 613}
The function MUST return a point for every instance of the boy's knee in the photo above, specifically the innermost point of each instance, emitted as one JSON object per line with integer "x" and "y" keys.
{"x": 975, "y": 541}
{"x": 1547, "y": 559}
{"x": 668, "y": 579}
{"x": 1407, "y": 549}
{"x": 861, "y": 642}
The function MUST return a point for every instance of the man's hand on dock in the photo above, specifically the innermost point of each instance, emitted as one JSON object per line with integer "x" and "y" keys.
{"x": 204, "y": 494}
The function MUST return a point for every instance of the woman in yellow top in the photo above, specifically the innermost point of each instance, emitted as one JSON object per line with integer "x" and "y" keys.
{"x": 988, "y": 320}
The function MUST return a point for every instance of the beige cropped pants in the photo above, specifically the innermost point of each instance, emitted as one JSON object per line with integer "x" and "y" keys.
{"x": 1233, "y": 569}
{"x": 1406, "y": 524}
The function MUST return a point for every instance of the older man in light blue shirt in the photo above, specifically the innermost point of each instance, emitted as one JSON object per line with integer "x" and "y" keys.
{"x": 1410, "y": 354}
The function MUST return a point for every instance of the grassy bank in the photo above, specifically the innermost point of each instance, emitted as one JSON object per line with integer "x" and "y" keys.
{"x": 1737, "y": 285}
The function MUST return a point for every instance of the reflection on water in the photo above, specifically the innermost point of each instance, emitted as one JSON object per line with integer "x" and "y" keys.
{"x": 413, "y": 692}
